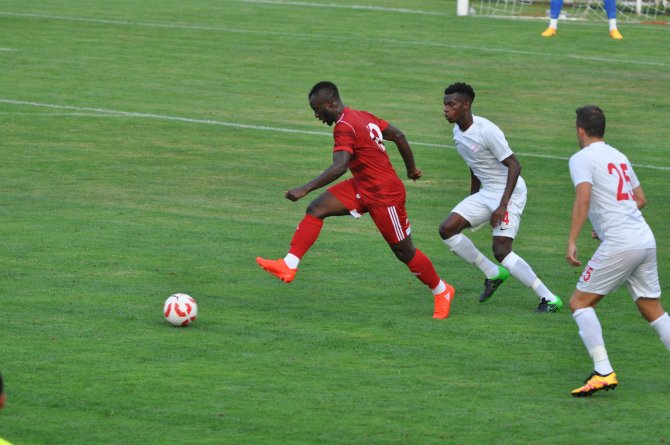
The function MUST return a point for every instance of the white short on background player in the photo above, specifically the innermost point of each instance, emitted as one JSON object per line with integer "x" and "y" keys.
{"x": 497, "y": 197}
{"x": 608, "y": 192}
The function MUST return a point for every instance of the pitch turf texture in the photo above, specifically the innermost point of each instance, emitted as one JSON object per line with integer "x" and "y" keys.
{"x": 145, "y": 150}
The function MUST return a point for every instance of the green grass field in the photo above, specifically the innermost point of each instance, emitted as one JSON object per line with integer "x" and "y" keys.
{"x": 145, "y": 149}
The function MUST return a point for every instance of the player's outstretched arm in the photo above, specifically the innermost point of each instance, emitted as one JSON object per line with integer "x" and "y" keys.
{"x": 513, "y": 173}
{"x": 335, "y": 170}
{"x": 475, "y": 183}
{"x": 393, "y": 134}
{"x": 640, "y": 199}
{"x": 580, "y": 211}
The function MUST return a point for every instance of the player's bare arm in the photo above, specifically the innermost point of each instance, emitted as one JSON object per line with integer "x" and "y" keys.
{"x": 475, "y": 183}
{"x": 393, "y": 134}
{"x": 339, "y": 166}
{"x": 580, "y": 211}
{"x": 640, "y": 199}
{"x": 513, "y": 173}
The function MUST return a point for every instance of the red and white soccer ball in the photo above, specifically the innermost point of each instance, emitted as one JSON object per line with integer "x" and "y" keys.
{"x": 180, "y": 309}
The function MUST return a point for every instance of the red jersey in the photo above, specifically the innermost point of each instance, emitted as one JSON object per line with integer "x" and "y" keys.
{"x": 360, "y": 133}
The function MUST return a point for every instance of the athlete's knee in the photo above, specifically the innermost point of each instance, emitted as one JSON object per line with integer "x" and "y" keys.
{"x": 500, "y": 256}
{"x": 650, "y": 308}
{"x": 403, "y": 256}
{"x": 404, "y": 252}
{"x": 575, "y": 304}
{"x": 501, "y": 250}
{"x": 583, "y": 300}
{"x": 448, "y": 229}
{"x": 314, "y": 209}
{"x": 320, "y": 209}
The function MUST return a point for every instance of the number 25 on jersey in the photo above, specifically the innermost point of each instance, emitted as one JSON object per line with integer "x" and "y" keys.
{"x": 624, "y": 190}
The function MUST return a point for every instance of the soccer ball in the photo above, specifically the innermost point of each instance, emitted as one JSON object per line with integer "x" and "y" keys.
{"x": 180, "y": 309}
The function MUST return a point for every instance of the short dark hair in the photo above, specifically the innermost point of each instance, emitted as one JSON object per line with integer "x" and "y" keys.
{"x": 461, "y": 88}
{"x": 328, "y": 87}
{"x": 592, "y": 119}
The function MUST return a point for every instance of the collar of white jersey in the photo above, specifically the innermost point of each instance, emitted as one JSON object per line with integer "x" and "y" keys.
{"x": 596, "y": 144}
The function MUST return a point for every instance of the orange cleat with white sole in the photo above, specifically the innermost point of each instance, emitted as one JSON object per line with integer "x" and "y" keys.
{"x": 278, "y": 268}
{"x": 443, "y": 303}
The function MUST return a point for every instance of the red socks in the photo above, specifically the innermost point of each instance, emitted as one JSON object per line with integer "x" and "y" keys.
{"x": 423, "y": 268}
{"x": 305, "y": 235}
{"x": 308, "y": 232}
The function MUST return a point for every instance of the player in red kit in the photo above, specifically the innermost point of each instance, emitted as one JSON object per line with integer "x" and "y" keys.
{"x": 374, "y": 188}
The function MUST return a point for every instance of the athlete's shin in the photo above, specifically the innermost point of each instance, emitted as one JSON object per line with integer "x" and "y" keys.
{"x": 421, "y": 266}
{"x": 305, "y": 235}
{"x": 519, "y": 269}
{"x": 524, "y": 273}
{"x": 462, "y": 246}
{"x": 591, "y": 333}
{"x": 662, "y": 326}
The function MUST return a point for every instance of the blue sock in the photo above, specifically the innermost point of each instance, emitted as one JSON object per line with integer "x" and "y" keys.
{"x": 556, "y": 6}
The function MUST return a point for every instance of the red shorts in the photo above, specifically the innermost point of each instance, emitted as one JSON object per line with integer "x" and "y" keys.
{"x": 392, "y": 220}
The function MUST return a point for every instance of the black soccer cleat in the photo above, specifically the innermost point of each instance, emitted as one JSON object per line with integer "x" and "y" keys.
{"x": 547, "y": 306}
{"x": 491, "y": 284}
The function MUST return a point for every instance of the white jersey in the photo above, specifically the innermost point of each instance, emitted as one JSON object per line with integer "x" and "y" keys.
{"x": 613, "y": 211}
{"x": 483, "y": 147}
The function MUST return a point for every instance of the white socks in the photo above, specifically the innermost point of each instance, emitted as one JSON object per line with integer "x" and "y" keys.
{"x": 522, "y": 272}
{"x": 292, "y": 261}
{"x": 592, "y": 335}
{"x": 464, "y": 248}
{"x": 553, "y": 24}
{"x": 662, "y": 326}
{"x": 612, "y": 23}
{"x": 440, "y": 288}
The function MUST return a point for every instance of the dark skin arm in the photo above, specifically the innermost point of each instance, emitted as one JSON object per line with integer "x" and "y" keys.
{"x": 341, "y": 164}
{"x": 335, "y": 170}
{"x": 513, "y": 172}
{"x": 393, "y": 134}
{"x": 475, "y": 183}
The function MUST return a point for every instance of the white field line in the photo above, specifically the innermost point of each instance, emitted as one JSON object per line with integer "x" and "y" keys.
{"x": 355, "y": 7}
{"x": 95, "y": 112}
{"x": 105, "y": 111}
{"x": 329, "y": 37}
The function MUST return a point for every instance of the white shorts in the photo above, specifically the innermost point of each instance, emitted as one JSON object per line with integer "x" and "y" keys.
{"x": 607, "y": 270}
{"x": 477, "y": 210}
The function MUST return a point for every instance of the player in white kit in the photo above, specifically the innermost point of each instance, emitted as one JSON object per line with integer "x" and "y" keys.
{"x": 609, "y": 193}
{"x": 497, "y": 196}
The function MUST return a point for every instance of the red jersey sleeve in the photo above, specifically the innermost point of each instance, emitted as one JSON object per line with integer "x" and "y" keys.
{"x": 383, "y": 125}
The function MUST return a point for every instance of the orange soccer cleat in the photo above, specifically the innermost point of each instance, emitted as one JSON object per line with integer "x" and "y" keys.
{"x": 443, "y": 303}
{"x": 278, "y": 268}
{"x": 596, "y": 382}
